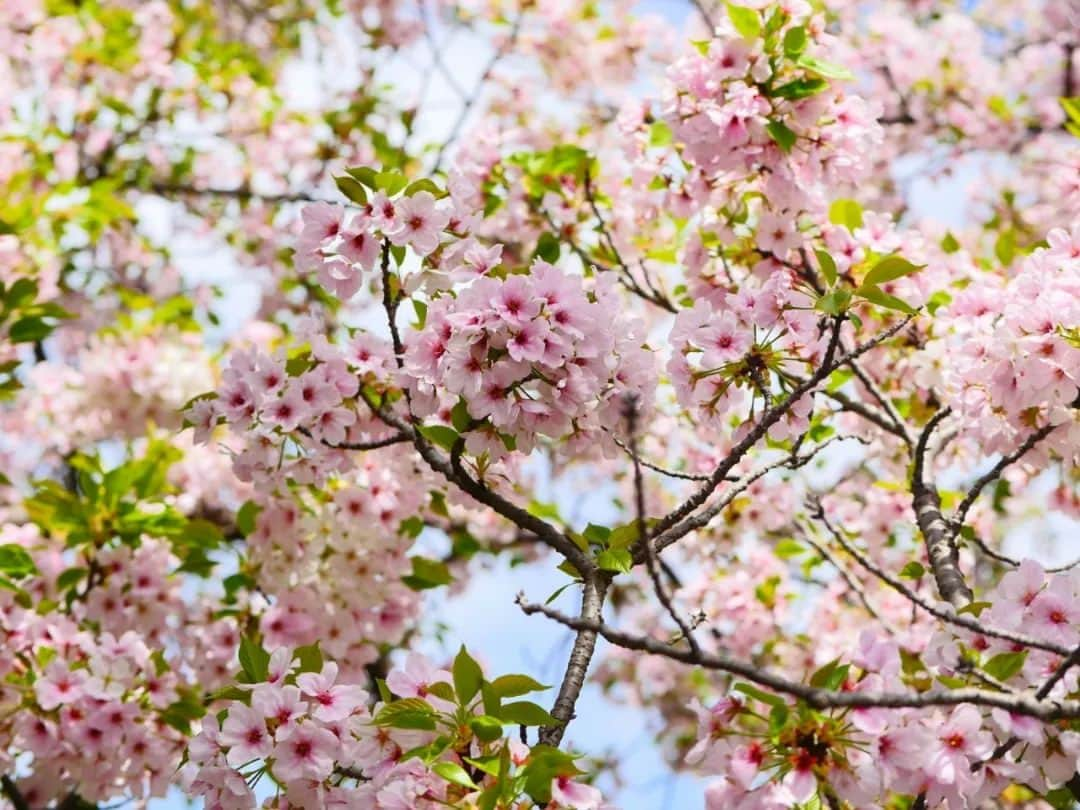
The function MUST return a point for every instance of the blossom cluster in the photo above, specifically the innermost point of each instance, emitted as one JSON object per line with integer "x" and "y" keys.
{"x": 335, "y": 567}
{"x": 761, "y": 114}
{"x": 1014, "y": 351}
{"x": 92, "y": 710}
{"x": 321, "y": 743}
{"x": 533, "y": 355}
{"x": 288, "y": 424}
{"x": 958, "y": 755}
{"x": 119, "y": 384}
{"x": 339, "y": 245}
{"x": 731, "y": 349}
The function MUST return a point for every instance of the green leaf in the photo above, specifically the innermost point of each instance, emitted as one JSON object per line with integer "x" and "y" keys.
{"x": 441, "y": 435}
{"x": 424, "y": 184}
{"x": 391, "y": 182}
{"x": 548, "y": 247}
{"x": 788, "y": 548}
{"x": 309, "y": 657}
{"x": 1004, "y": 665}
{"x": 384, "y": 691}
{"x": 780, "y": 133}
{"x": 526, "y": 713}
{"x": 246, "y": 516}
{"x": 254, "y": 660}
{"x": 558, "y": 592}
{"x": 597, "y": 535}
{"x": 795, "y": 41}
{"x": 1005, "y": 247}
{"x": 949, "y": 243}
{"x": 489, "y": 764}
{"x": 460, "y": 417}
{"x": 365, "y": 175}
{"x": 452, "y": 772}
{"x": 889, "y": 269}
{"x": 1071, "y": 107}
{"x": 846, "y": 212}
{"x": 547, "y": 511}
{"x": 937, "y": 301}
{"x": 180, "y": 713}
{"x": 823, "y": 68}
{"x": 831, "y": 676}
{"x": 420, "y": 308}
{"x": 876, "y": 295}
{"x": 351, "y": 188}
{"x": 22, "y": 598}
{"x": 660, "y": 134}
{"x": 16, "y": 562}
{"x": 623, "y": 536}
{"x": 486, "y": 727}
{"x": 408, "y": 713}
{"x": 834, "y": 302}
{"x": 29, "y": 329}
{"x": 234, "y": 582}
{"x": 427, "y": 573}
{"x": 467, "y": 676}
{"x": 508, "y": 686}
{"x": 746, "y": 21}
{"x": 432, "y": 751}
{"x": 1060, "y": 799}
{"x": 20, "y": 294}
{"x": 974, "y": 608}
{"x": 492, "y": 702}
{"x": 70, "y": 577}
{"x": 800, "y": 88}
{"x": 828, "y": 267}
{"x": 913, "y": 570}
{"x": 442, "y": 690}
{"x": 759, "y": 694}
{"x": 545, "y": 764}
{"x": 615, "y": 559}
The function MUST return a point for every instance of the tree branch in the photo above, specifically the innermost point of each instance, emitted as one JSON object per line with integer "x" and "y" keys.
{"x": 1021, "y": 704}
{"x": 643, "y": 542}
{"x": 960, "y": 620}
{"x": 592, "y": 603}
{"x": 940, "y": 548}
{"x": 995, "y": 472}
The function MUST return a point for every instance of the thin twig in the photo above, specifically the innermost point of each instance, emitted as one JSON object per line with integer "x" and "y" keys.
{"x": 995, "y": 472}
{"x": 651, "y": 559}
{"x": 470, "y": 102}
{"x": 960, "y": 620}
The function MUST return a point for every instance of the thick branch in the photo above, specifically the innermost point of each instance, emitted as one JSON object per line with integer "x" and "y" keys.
{"x": 592, "y": 602}
{"x": 940, "y": 548}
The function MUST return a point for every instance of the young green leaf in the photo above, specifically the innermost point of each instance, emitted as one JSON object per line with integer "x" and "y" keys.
{"x": 467, "y": 676}
{"x": 828, "y": 267}
{"x": 890, "y": 268}
{"x": 747, "y": 21}
{"x": 783, "y": 137}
